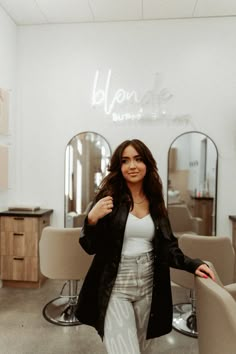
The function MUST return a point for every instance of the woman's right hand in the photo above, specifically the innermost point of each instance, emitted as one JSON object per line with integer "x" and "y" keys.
{"x": 100, "y": 209}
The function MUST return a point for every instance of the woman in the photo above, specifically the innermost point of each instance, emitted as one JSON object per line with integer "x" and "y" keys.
{"x": 126, "y": 294}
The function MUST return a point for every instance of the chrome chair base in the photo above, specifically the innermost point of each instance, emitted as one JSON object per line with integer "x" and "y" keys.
{"x": 61, "y": 311}
{"x": 185, "y": 320}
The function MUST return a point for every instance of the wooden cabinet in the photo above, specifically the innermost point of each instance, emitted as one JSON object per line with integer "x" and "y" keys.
{"x": 233, "y": 219}
{"x": 202, "y": 207}
{"x": 234, "y": 233}
{"x": 172, "y": 160}
{"x": 20, "y": 235}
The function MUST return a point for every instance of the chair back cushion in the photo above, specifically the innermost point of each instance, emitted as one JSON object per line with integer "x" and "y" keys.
{"x": 216, "y": 249}
{"x": 216, "y": 318}
{"x": 60, "y": 254}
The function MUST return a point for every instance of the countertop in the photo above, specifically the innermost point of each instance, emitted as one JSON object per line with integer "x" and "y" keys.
{"x": 201, "y": 198}
{"x": 36, "y": 213}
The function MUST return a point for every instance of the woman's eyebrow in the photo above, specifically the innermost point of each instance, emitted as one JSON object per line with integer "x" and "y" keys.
{"x": 128, "y": 157}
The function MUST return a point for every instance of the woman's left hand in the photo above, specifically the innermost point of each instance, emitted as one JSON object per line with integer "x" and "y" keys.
{"x": 204, "y": 271}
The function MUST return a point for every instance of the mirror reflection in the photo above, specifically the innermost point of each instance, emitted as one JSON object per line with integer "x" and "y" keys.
{"x": 192, "y": 184}
{"x": 87, "y": 157}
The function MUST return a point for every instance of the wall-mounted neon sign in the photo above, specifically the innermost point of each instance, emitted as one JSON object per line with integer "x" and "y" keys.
{"x": 129, "y": 105}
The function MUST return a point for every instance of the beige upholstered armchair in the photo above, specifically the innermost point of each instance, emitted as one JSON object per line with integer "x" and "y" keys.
{"x": 62, "y": 258}
{"x": 216, "y": 317}
{"x": 217, "y": 250}
{"x": 182, "y": 221}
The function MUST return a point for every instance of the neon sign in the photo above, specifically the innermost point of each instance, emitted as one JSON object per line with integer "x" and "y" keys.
{"x": 125, "y": 105}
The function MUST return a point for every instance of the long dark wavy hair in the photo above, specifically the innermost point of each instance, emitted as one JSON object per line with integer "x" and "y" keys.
{"x": 115, "y": 185}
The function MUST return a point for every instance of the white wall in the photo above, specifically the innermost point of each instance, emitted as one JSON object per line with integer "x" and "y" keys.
{"x": 57, "y": 63}
{"x": 8, "y": 61}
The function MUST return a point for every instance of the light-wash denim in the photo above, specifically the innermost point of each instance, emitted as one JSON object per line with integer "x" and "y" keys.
{"x": 129, "y": 306}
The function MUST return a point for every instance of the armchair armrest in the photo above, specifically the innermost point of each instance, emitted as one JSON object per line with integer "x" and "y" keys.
{"x": 197, "y": 224}
{"x": 231, "y": 288}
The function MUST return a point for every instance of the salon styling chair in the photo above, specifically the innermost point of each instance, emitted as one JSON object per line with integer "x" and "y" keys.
{"x": 182, "y": 222}
{"x": 219, "y": 251}
{"x": 62, "y": 258}
{"x": 216, "y": 317}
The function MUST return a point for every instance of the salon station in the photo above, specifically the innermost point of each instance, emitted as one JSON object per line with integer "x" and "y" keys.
{"x": 76, "y": 79}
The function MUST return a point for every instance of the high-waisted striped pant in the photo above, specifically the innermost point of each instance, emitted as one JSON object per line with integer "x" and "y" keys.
{"x": 129, "y": 306}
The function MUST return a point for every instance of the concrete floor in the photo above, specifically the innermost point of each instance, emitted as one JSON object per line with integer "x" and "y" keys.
{"x": 23, "y": 329}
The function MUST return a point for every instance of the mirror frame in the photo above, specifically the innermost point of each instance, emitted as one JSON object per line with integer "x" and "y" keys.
{"x": 214, "y": 217}
{"x": 94, "y": 179}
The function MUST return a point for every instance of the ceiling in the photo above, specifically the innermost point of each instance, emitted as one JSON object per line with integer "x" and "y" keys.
{"x": 34, "y": 12}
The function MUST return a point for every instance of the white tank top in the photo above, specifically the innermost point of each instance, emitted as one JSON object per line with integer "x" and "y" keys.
{"x": 138, "y": 236}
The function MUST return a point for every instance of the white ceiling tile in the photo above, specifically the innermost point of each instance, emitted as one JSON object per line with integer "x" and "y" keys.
{"x": 168, "y": 8}
{"x": 115, "y": 10}
{"x": 66, "y": 11}
{"x": 215, "y": 8}
{"x": 25, "y": 12}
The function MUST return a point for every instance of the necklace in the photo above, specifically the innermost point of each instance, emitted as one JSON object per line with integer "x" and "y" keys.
{"x": 140, "y": 201}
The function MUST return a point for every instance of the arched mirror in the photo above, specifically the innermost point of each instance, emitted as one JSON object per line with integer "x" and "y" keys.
{"x": 86, "y": 160}
{"x": 192, "y": 184}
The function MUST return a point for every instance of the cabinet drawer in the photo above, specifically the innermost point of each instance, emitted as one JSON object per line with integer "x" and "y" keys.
{"x": 19, "y": 268}
{"x": 19, "y": 243}
{"x": 44, "y": 221}
{"x": 19, "y": 224}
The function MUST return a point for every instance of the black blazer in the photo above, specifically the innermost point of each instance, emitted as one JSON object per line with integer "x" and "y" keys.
{"x": 105, "y": 240}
